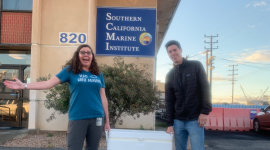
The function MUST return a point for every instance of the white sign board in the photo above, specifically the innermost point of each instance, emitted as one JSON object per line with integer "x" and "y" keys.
{"x": 72, "y": 38}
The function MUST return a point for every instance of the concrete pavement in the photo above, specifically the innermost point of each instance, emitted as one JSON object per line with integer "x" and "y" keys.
{"x": 6, "y": 135}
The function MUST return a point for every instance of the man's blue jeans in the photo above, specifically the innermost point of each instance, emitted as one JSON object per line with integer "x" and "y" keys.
{"x": 184, "y": 128}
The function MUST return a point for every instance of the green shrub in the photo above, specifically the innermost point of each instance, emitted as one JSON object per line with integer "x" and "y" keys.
{"x": 129, "y": 89}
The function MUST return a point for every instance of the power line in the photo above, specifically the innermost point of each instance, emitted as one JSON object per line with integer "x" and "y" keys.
{"x": 195, "y": 55}
{"x": 249, "y": 18}
{"x": 242, "y": 63}
{"x": 233, "y": 24}
{"x": 250, "y": 74}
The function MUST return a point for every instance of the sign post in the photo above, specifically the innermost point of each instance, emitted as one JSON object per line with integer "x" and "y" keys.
{"x": 252, "y": 114}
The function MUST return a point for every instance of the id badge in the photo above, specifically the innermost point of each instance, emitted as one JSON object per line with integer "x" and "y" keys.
{"x": 99, "y": 122}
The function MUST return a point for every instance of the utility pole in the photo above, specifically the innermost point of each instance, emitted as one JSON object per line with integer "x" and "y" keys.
{"x": 232, "y": 78}
{"x": 211, "y": 59}
{"x": 206, "y": 52}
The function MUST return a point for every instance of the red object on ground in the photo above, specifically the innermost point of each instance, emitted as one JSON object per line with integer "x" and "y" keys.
{"x": 237, "y": 119}
{"x": 215, "y": 119}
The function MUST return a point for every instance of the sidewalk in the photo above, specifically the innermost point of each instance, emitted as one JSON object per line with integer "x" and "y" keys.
{"x": 6, "y": 135}
{"x": 27, "y": 148}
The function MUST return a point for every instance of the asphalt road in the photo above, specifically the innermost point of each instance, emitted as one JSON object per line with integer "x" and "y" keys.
{"x": 229, "y": 140}
{"x": 235, "y": 140}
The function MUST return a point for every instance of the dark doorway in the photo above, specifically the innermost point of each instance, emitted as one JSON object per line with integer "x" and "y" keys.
{"x": 14, "y": 104}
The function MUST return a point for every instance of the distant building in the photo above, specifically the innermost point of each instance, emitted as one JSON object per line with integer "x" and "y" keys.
{"x": 161, "y": 87}
{"x": 39, "y": 36}
{"x": 265, "y": 100}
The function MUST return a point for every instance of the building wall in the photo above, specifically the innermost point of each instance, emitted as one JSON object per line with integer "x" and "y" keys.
{"x": 128, "y": 3}
{"x": 147, "y": 121}
{"x": 48, "y": 56}
{"x": 161, "y": 86}
{"x": 16, "y": 27}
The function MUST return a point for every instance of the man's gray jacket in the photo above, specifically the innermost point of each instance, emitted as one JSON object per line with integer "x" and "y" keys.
{"x": 187, "y": 92}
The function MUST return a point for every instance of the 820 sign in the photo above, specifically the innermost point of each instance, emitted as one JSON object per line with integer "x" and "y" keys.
{"x": 72, "y": 38}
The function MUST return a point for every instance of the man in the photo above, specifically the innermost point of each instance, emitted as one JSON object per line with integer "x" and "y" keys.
{"x": 187, "y": 95}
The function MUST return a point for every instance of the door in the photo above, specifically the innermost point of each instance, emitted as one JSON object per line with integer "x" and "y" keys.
{"x": 14, "y": 104}
{"x": 266, "y": 118}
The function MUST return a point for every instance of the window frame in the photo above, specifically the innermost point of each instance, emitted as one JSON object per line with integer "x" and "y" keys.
{"x": 14, "y": 10}
{"x": 267, "y": 109}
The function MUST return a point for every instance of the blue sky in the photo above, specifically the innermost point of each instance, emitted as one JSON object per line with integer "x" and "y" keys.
{"x": 243, "y": 39}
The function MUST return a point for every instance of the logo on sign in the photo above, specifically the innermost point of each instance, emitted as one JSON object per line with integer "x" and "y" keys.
{"x": 253, "y": 114}
{"x": 145, "y": 38}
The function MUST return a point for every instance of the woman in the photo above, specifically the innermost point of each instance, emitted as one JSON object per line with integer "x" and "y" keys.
{"x": 88, "y": 102}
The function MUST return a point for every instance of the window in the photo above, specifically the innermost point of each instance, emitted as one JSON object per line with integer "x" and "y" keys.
{"x": 17, "y": 5}
{"x": 267, "y": 110}
{"x": 23, "y": 58}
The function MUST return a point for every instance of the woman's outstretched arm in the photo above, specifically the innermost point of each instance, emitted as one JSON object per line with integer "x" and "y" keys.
{"x": 17, "y": 84}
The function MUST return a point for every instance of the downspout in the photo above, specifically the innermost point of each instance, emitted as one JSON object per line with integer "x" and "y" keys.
{"x": 155, "y": 76}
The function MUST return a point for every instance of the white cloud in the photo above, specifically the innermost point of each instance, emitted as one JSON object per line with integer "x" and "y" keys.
{"x": 258, "y": 56}
{"x": 249, "y": 4}
{"x": 251, "y": 26}
{"x": 219, "y": 78}
{"x": 259, "y": 4}
{"x": 202, "y": 53}
{"x": 244, "y": 54}
{"x": 255, "y": 4}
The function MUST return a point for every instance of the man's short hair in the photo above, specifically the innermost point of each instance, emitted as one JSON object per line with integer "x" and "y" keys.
{"x": 172, "y": 42}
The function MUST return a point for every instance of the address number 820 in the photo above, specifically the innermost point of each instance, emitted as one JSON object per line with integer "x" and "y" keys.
{"x": 72, "y": 38}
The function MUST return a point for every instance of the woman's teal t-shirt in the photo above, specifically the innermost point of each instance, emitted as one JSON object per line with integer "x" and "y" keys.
{"x": 85, "y": 101}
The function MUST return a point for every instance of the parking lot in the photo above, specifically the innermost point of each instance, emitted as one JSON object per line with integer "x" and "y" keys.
{"x": 229, "y": 140}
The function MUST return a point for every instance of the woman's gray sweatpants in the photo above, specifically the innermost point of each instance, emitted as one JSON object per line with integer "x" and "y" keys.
{"x": 78, "y": 130}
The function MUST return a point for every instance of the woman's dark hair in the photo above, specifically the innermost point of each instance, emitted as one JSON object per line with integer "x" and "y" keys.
{"x": 75, "y": 64}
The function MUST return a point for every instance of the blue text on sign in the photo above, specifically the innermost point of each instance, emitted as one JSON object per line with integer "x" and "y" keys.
{"x": 72, "y": 38}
